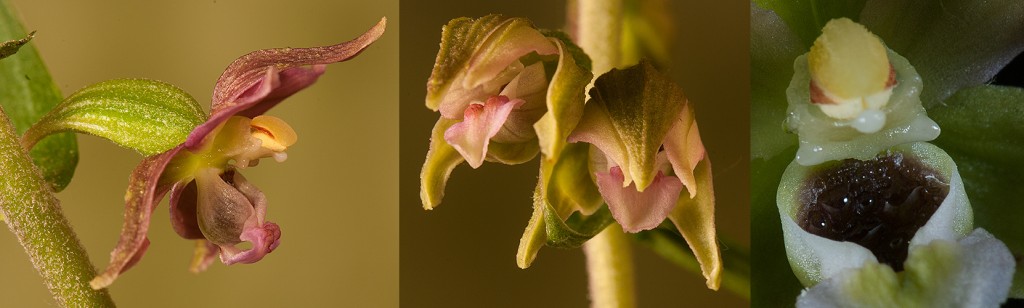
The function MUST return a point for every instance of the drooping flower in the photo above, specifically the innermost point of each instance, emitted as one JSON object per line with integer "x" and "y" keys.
{"x": 210, "y": 200}
{"x": 505, "y": 91}
{"x": 647, "y": 149}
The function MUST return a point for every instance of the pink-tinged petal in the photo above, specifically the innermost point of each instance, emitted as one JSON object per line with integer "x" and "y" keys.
{"x": 257, "y": 81}
{"x": 205, "y": 254}
{"x": 530, "y": 86}
{"x": 596, "y": 128}
{"x": 512, "y": 40}
{"x": 685, "y": 148}
{"x": 144, "y": 193}
{"x": 695, "y": 219}
{"x": 481, "y": 122}
{"x": 628, "y": 116}
{"x": 456, "y": 99}
{"x": 264, "y": 240}
{"x": 183, "y": 210}
{"x": 637, "y": 211}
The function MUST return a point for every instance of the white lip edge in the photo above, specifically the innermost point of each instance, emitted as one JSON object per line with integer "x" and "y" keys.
{"x": 814, "y": 258}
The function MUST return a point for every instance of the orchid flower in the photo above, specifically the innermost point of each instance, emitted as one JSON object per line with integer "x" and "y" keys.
{"x": 848, "y": 107}
{"x": 646, "y": 150}
{"x": 505, "y": 92}
{"x": 210, "y": 201}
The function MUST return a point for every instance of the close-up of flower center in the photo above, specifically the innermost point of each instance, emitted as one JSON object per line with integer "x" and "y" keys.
{"x": 879, "y": 204}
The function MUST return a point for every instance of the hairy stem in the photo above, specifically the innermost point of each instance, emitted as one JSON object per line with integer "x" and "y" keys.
{"x": 33, "y": 213}
{"x": 597, "y": 29}
{"x": 596, "y": 26}
{"x": 610, "y": 269}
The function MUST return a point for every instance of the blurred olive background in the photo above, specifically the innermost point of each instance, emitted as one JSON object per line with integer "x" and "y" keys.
{"x": 335, "y": 198}
{"x": 462, "y": 254}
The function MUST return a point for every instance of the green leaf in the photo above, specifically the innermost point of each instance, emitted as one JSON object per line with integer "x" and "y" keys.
{"x": 982, "y": 131}
{"x": 26, "y": 93}
{"x": 953, "y": 44}
{"x": 145, "y": 115}
{"x": 773, "y": 48}
{"x": 807, "y": 17}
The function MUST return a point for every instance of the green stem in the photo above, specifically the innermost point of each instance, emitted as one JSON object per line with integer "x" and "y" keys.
{"x": 34, "y": 216}
{"x": 597, "y": 26}
{"x": 610, "y": 269}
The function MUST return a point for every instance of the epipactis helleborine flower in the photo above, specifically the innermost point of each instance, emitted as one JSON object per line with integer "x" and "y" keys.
{"x": 210, "y": 200}
{"x": 505, "y": 92}
{"x": 647, "y": 149}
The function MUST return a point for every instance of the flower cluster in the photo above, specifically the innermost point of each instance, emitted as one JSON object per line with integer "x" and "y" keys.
{"x": 506, "y": 91}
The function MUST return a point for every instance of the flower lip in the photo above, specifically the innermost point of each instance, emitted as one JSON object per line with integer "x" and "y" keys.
{"x": 878, "y": 204}
{"x": 815, "y": 258}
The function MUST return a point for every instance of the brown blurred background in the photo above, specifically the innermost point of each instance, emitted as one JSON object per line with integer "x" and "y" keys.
{"x": 335, "y": 198}
{"x": 462, "y": 254}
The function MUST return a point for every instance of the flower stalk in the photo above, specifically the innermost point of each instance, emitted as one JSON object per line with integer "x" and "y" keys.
{"x": 598, "y": 25}
{"x": 610, "y": 269}
{"x": 34, "y": 215}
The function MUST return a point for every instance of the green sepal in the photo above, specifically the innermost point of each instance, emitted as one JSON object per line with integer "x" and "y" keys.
{"x": 145, "y": 115}
{"x": 628, "y": 116}
{"x": 441, "y": 159}
{"x": 458, "y": 43}
{"x": 581, "y": 59}
{"x": 574, "y": 210}
{"x": 565, "y": 99}
{"x": 475, "y": 50}
{"x": 570, "y": 187}
{"x": 535, "y": 235}
{"x": 512, "y": 153}
{"x": 26, "y": 93}
{"x": 563, "y": 189}
{"x": 982, "y": 132}
{"x": 576, "y": 229}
